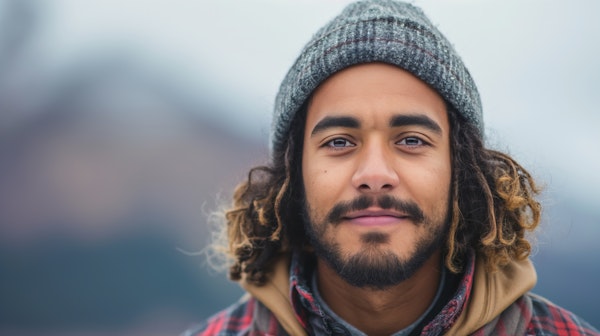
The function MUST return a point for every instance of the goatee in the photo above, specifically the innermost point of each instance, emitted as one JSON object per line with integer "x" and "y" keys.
{"x": 375, "y": 266}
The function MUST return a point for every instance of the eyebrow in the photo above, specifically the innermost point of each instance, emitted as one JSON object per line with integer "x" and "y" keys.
{"x": 415, "y": 119}
{"x": 332, "y": 122}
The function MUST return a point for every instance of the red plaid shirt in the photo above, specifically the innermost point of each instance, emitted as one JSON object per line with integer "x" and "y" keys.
{"x": 532, "y": 314}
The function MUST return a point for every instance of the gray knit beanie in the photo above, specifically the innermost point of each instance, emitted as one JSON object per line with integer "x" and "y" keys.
{"x": 386, "y": 31}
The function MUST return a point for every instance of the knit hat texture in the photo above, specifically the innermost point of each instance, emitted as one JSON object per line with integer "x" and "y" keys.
{"x": 386, "y": 31}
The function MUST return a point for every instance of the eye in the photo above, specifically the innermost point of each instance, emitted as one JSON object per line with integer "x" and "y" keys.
{"x": 412, "y": 142}
{"x": 339, "y": 143}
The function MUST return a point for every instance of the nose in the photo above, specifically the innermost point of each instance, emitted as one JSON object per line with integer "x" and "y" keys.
{"x": 375, "y": 171}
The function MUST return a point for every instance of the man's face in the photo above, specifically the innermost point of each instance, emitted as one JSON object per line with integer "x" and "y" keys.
{"x": 376, "y": 169}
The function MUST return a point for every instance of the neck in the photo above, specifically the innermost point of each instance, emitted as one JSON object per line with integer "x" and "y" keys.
{"x": 381, "y": 312}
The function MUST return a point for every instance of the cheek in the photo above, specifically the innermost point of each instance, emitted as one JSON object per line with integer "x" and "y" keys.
{"x": 440, "y": 186}
{"x": 323, "y": 186}
{"x": 430, "y": 183}
{"x": 315, "y": 182}
{"x": 312, "y": 173}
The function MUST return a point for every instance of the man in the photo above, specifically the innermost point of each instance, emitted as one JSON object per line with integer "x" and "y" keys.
{"x": 381, "y": 212}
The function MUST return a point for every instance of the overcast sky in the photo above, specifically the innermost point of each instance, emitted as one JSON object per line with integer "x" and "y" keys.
{"x": 537, "y": 63}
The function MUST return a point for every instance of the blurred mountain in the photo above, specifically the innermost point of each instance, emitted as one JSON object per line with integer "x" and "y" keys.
{"x": 113, "y": 171}
{"x": 94, "y": 208}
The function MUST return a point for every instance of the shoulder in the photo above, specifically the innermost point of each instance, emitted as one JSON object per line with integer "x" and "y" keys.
{"x": 247, "y": 317}
{"x": 548, "y": 318}
{"x": 232, "y": 321}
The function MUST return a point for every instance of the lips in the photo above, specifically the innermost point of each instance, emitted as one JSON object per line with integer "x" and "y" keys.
{"x": 375, "y": 217}
{"x": 372, "y": 207}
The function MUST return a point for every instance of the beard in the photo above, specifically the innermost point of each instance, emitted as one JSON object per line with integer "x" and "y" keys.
{"x": 374, "y": 266}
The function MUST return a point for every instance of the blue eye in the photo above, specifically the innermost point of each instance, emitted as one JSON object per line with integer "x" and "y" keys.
{"x": 339, "y": 143}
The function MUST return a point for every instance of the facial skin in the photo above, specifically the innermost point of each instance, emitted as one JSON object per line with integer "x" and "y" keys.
{"x": 376, "y": 167}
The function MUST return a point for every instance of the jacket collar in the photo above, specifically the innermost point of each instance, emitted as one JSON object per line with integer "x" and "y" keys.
{"x": 479, "y": 298}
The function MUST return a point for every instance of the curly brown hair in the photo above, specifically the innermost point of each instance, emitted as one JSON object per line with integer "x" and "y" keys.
{"x": 492, "y": 207}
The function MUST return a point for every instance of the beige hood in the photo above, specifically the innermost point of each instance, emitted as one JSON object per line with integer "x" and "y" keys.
{"x": 491, "y": 294}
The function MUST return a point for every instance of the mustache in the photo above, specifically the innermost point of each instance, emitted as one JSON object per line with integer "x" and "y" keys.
{"x": 386, "y": 202}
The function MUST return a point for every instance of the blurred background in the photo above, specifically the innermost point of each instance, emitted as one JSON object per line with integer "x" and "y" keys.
{"x": 125, "y": 124}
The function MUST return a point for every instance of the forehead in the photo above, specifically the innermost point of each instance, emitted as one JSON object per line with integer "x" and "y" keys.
{"x": 375, "y": 90}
